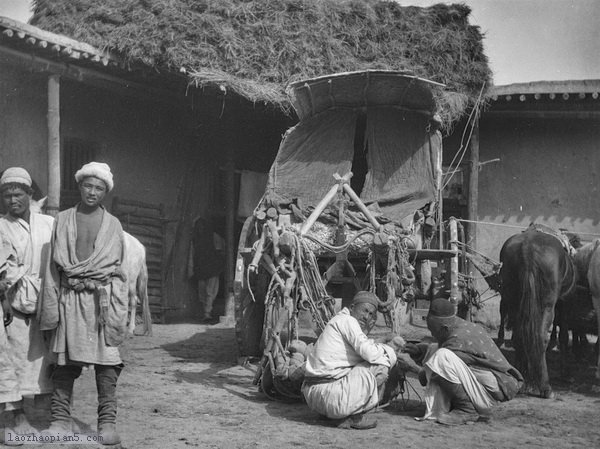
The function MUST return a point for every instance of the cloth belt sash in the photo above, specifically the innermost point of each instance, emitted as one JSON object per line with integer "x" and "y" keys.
{"x": 100, "y": 288}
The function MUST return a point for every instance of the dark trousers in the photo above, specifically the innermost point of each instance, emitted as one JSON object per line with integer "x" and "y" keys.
{"x": 64, "y": 377}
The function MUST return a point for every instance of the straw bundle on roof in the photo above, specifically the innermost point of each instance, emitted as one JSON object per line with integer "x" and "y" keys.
{"x": 255, "y": 47}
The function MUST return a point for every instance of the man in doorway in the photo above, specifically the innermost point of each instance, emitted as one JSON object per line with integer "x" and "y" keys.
{"x": 25, "y": 235}
{"x": 346, "y": 372}
{"x": 207, "y": 263}
{"x": 465, "y": 372}
{"x": 85, "y": 301}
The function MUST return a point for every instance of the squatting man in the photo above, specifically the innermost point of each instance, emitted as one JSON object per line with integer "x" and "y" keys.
{"x": 465, "y": 373}
{"x": 347, "y": 374}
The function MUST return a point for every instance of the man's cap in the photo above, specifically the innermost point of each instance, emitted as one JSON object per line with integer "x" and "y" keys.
{"x": 364, "y": 297}
{"x": 441, "y": 308}
{"x": 15, "y": 175}
{"x": 98, "y": 170}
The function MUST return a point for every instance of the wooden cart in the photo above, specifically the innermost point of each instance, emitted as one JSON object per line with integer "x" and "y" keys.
{"x": 313, "y": 240}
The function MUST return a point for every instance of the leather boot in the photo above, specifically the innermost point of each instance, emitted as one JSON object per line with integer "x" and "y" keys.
{"x": 106, "y": 383}
{"x": 63, "y": 378}
{"x": 462, "y": 410}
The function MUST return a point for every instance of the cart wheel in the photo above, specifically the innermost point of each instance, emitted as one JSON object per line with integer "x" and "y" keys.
{"x": 249, "y": 312}
{"x": 249, "y": 323}
{"x": 267, "y": 385}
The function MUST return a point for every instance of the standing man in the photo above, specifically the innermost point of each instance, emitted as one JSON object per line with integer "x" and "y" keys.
{"x": 208, "y": 261}
{"x": 465, "y": 372}
{"x": 85, "y": 300}
{"x": 346, "y": 372}
{"x": 25, "y": 237}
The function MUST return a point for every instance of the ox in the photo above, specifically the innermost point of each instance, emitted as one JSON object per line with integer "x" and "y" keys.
{"x": 136, "y": 272}
{"x": 587, "y": 261}
{"x": 536, "y": 273}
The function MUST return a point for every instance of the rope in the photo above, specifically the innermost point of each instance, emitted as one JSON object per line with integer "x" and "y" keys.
{"x": 489, "y": 297}
{"x": 341, "y": 248}
{"x": 250, "y": 286}
{"x": 473, "y": 250}
{"x": 471, "y": 277}
{"x": 405, "y": 395}
{"x": 593, "y": 234}
{"x": 463, "y": 148}
{"x": 491, "y": 223}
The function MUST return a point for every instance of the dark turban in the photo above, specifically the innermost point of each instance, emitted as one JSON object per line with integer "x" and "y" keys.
{"x": 442, "y": 308}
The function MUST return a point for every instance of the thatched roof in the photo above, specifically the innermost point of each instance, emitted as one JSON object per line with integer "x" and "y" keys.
{"x": 256, "y": 47}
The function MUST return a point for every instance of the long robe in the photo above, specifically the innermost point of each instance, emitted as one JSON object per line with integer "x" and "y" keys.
{"x": 24, "y": 369}
{"x": 342, "y": 370}
{"x": 471, "y": 343}
{"x": 471, "y": 358}
{"x": 89, "y": 324}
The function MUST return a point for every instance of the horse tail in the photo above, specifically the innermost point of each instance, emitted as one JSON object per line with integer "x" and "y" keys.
{"x": 527, "y": 325}
{"x": 142, "y": 293}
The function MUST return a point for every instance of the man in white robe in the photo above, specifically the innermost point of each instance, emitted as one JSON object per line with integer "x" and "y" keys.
{"x": 24, "y": 370}
{"x": 346, "y": 371}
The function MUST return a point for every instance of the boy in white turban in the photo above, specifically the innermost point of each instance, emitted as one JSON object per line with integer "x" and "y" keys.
{"x": 25, "y": 241}
{"x": 85, "y": 301}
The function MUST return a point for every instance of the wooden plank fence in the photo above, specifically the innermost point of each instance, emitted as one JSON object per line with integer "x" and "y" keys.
{"x": 146, "y": 222}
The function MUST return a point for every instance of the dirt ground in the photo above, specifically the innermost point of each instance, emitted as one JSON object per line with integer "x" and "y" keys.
{"x": 183, "y": 387}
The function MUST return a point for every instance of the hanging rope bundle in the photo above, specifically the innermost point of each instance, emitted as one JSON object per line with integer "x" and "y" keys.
{"x": 391, "y": 275}
{"x": 314, "y": 296}
{"x": 295, "y": 285}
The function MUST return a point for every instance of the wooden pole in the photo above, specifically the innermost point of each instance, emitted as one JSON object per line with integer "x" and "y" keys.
{"x": 453, "y": 261}
{"x": 53, "y": 120}
{"x": 319, "y": 209}
{"x": 229, "y": 314}
{"x": 473, "y": 193}
{"x": 439, "y": 156}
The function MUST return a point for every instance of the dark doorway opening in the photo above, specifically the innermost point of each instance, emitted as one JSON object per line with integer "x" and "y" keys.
{"x": 360, "y": 165}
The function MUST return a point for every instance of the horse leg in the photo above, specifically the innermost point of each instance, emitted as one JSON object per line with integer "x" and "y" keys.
{"x": 552, "y": 343}
{"x": 577, "y": 345}
{"x": 596, "y": 300}
{"x": 556, "y": 325}
{"x": 547, "y": 319}
{"x": 563, "y": 343}
{"x": 501, "y": 329}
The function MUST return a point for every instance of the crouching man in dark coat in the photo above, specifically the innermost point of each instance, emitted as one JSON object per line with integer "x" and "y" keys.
{"x": 465, "y": 372}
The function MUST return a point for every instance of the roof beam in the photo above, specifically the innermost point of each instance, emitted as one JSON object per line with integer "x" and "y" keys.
{"x": 95, "y": 78}
{"x": 543, "y": 114}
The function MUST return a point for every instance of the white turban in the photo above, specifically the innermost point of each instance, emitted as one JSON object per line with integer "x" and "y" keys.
{"x": 16, "y": 174}
{"x": 98, "y": 170}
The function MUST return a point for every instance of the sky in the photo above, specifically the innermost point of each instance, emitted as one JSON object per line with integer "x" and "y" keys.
{"x": 525, "y": 40}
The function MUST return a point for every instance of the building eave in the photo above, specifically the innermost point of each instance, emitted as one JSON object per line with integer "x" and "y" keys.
{"x": 40, "y": 51}
{"x": 546, "y": 99}
{"x": 575, "y": 87}
{"x": 55, "y": 46}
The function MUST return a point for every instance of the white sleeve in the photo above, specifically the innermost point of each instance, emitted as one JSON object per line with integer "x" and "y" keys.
{"x": 375, "y": 353}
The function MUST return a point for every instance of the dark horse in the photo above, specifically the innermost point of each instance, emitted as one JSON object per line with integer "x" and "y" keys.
{"x": 536, "y": 272}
